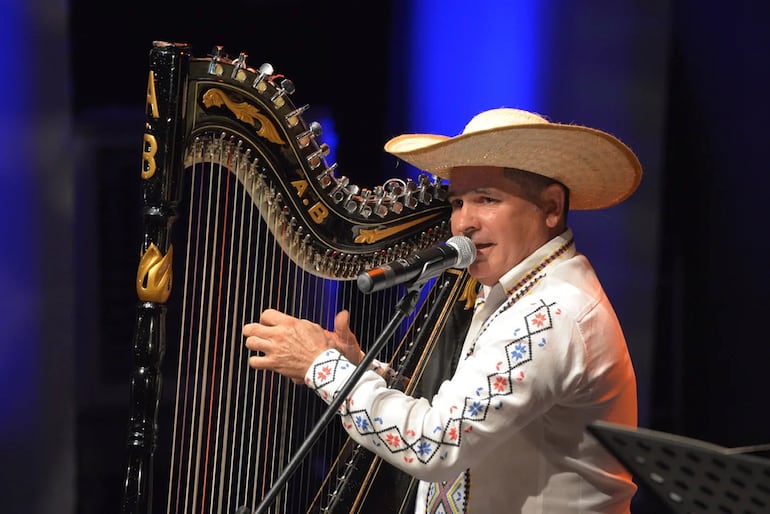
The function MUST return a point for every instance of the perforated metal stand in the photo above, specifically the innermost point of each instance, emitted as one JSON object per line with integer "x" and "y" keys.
{"x": 688, "y": 475}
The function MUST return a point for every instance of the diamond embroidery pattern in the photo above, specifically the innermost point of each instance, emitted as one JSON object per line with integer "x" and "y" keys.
{"x": 324, "y": 372}
{"x": 474, "y": 409}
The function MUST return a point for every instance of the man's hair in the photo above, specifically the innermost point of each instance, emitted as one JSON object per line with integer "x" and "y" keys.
{"x": 532, "y": 185}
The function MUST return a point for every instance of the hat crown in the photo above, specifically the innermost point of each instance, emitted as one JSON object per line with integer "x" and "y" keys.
{"x": 503, "y": 117}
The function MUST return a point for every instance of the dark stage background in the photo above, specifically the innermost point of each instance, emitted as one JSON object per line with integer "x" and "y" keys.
{"x": 686, "y": 262}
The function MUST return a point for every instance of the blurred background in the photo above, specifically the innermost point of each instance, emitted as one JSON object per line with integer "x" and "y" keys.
{"x": 683, "y": 83}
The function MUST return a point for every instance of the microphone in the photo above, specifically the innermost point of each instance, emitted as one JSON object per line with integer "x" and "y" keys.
{"x": 456, "y": 252}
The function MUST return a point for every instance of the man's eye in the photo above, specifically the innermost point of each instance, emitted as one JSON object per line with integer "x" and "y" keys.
{"x": 456, "y": 204}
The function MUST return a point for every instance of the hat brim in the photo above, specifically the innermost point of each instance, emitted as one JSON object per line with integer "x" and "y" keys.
{"x": 599, "y": 170}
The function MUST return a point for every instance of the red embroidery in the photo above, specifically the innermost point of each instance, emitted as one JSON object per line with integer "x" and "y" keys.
{"x": 393, "y": 440}
{"x": 538, "y": 319}
{"x": 500, "y": 384}
{"x": 324, "y": 373}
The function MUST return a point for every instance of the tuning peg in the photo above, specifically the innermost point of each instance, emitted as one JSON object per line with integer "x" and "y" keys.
{"x": 409, "y": 199}
{"x": 340, "y": 190}
{"x": 239, "y": 66}
{"x": 326, "y": 177}
{"x": 315, "y": 158}
{"x": 287, "y": 87}
{"x": 292, "y": 119}
{"x": 304, "y": 138}
{"x": 265, "y": 70}
{"x": 215, "y": 68}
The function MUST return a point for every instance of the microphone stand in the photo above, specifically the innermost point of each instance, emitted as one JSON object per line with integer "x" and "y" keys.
{"x": 403, "y": 309}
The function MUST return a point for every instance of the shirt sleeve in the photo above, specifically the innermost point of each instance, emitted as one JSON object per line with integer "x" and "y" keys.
{"x": 515, "y": 373}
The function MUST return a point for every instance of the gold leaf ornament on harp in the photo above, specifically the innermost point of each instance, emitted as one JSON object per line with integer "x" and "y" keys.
{"x": 153, "y": 277}
{"x": 376, "y": 234}
{"x": 246, "y": 112}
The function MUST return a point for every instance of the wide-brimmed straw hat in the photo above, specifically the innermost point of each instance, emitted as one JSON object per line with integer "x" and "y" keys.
{"x": 599, "y": 170}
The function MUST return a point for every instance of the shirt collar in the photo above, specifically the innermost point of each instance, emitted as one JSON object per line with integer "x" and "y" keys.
{"x": 560, "y": 247}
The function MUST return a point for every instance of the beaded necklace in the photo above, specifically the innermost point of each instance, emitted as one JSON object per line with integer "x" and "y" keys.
{"x": 520, "y": 289}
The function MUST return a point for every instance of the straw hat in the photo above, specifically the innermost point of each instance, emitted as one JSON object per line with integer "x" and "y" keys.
{"x": 598, "y": 169}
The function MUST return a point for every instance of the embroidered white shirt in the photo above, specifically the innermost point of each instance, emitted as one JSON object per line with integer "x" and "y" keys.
{"x": 544, "y": 357}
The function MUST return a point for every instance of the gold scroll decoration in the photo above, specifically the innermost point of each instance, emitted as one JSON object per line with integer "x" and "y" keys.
{"x": 244, "y": 111}
{"x": 372, "y": 235}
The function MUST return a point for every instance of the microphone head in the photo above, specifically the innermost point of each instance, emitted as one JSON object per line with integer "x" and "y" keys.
{"x": 466, "y": 250}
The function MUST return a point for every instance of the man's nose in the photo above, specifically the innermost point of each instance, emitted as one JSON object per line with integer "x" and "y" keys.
{"x": 463, "y": 221}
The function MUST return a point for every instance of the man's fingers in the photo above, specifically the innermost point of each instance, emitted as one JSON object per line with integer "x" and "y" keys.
{"x": 342, "y": 327}
{"x": 272, "y": 317}
{"x": 284, "y": 344}
{"x": 257, "y": 330}
{"x": 259, "y": 345}
{"x": 250, "y": 329}
{"x": 260, "y": 362}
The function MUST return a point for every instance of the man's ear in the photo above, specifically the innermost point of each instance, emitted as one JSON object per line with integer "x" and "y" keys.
{"x": 553, "y": 204}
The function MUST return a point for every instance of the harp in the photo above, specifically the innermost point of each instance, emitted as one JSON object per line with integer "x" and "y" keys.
{"x": 242, "y": 212}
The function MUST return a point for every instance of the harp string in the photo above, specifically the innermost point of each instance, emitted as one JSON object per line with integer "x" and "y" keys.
{"x": 241, "y": 280}
{"x": 218, "y": 376}
{"x": 235, "y": 371}
{"x": 247, "y": 454}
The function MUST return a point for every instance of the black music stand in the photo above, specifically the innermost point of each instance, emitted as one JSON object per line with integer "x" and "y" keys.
{"x": 691, "y": 476}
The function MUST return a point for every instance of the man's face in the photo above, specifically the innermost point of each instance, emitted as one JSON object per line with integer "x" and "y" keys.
{"x": 506, "y": 227}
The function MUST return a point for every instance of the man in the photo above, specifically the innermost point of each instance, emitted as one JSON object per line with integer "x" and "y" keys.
{"x": 544, "y": 355}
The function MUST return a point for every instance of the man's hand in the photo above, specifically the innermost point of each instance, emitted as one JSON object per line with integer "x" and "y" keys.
{"x": 288, "y": 345}
{"x": 345, "y": 341}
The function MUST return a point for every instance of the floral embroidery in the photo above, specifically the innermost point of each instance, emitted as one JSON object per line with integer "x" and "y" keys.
{"x": 474, "y": 408}
{"x": 538, "y": 319}
{"x": 324, "y": 373}
{"x": 362, "y": 423}
{"x": 519, "y": 351}
{"x": 424, "y": 448}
